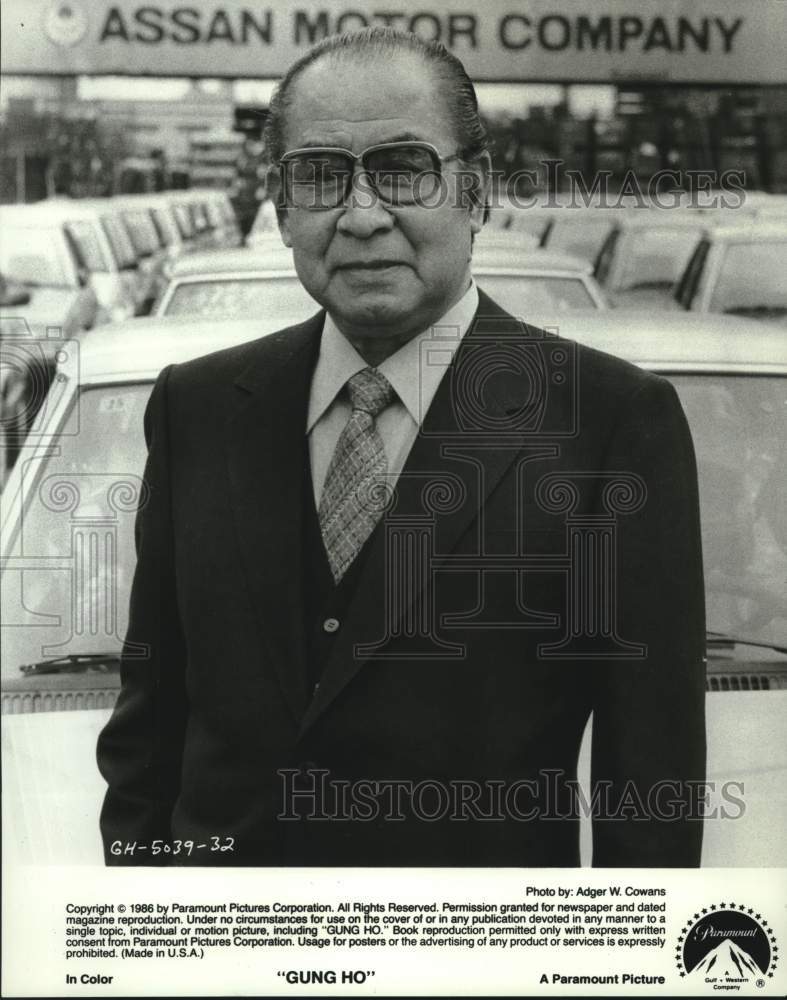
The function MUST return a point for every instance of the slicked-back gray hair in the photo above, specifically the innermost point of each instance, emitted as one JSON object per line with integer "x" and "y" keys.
{"x": 374, "y": 44}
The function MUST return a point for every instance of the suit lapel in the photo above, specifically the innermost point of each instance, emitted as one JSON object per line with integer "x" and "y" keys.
{"x": 266, "y": 449}
{"x": 445, "y": 434}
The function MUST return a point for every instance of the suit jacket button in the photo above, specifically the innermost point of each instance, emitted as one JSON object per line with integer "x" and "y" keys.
{"x": 330, "y": 625}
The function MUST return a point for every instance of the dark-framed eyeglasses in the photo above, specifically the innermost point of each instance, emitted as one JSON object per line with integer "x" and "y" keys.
{"x": 400, "y": 173}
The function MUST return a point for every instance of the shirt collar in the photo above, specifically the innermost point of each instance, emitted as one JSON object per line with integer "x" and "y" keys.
{"x": 414, "y": 371}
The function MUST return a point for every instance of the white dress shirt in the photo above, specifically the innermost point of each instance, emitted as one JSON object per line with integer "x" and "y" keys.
{"x": 414, "y": 371}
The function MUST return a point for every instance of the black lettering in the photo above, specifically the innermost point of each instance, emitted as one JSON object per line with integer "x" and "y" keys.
{"x": 114, "y": 26}
{"x": 728, "y": 33}
{"x": 350, "y": 15}
{"x": 389, "y": 17}
{"x": 220, "y": 28}
{"x": 149, "y": 17}
{"x": 460, "y": 25}
{"x": 586, "y": 31}
{"x": 415, "y": 22}
{"x": 314, "y": 30}
{"x": 263, "y": 30}
{"x": 505, "y": 39}
{"x": 658, "y": 36}
{"x": 685, "y": 29}
{"x": 628, "y": 27}
{"x": 544, "y": 26}
{"x": 186, "y": 18}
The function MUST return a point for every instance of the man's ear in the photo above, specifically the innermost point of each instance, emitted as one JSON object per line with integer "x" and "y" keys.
{"x": 478, "y": 194}
{"x": 283, "y": 219}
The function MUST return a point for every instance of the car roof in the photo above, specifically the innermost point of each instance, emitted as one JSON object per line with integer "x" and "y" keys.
{"x": 503, "y": 248}
{"x": 139, "y": 348}
{"x": 678, "y": 340}
{"x": 654, "y": 218}
{"x": 750, "y": 232}
{"x": 270, "y": 256}
{"x": 136, "y": 350}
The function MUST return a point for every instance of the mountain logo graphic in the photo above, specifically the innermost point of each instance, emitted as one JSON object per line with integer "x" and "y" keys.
{"x": 727, "y": 945}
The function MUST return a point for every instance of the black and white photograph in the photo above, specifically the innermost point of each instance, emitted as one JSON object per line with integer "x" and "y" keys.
{"x": 393, "y": 409}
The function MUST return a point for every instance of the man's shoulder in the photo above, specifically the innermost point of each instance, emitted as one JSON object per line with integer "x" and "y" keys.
{"x": 230, "y": 363}
{"x": 607, "y": 377}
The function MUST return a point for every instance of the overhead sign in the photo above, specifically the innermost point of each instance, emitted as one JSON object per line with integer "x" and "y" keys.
{"x": 673, "y": 41}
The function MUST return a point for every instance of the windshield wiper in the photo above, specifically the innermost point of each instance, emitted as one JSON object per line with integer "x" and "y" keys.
{"x": 756, "y": 310}
{"x": 648, "y": 284}
{"x": 76, "y": 663}
{"x": 720, "y": 640}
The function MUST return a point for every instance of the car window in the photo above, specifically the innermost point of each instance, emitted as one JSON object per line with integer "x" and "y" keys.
{"x": 687, "y": 289}
{"x": 84, "y": 235}
{"x": 524, "y": 296}
{"x": 241, "y": 297}
{"x": 122, "y": 248}
{"x": 751, "y": 278}
{"x": 582, "y": 237}
{"x": 34, "y": 255}
{"x": 605, "y": 257}
{"x": 77, "y": 537}
{"x": 142, "y": 232}
{"x": 654, "y": 257}
{"x": 739, "y": 427}
{"x": 161, "y": 223}
{"x": 184, "y": 221}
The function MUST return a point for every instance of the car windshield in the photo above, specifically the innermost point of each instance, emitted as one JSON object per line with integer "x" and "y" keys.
{"x": 76, "y": 552}
{"x": 241, "y": 297}
{"x": 739, "y": 426}
{"x": 122, "y": 247}
{"x": 654, "y": 257}
{"x": 582, "y": 237}
{"x": 142, "y": 232}
{"x": 34, "y": 255}
{"x": 524, "y": 295}
{"x": 752, "y": 277}
{"x": 84, "y": 235}
{"x": 76, "y": 541}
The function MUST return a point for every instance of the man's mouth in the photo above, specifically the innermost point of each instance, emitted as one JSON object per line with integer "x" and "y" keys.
{"x": 369, "y": 265}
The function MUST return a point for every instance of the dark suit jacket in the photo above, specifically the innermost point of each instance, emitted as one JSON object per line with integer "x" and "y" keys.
{"x": 553, "y": 490}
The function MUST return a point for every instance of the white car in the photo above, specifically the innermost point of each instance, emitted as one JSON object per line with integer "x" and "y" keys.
{"x": 738, "y": 270}
{"x": 262, "y": 280}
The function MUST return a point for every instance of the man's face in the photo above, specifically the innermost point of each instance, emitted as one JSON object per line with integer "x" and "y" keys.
{"x": 338, "y": 252}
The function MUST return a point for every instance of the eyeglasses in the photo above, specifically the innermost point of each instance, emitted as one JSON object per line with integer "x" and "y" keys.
{"x": 400, "y": 173}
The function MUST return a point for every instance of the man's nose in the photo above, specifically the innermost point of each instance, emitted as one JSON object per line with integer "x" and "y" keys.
{"x": 364, "y": 214}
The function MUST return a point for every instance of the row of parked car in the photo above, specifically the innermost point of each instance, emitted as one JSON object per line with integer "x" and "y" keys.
{"x": 720, "y": 260}
{"x": 68, "y": 266}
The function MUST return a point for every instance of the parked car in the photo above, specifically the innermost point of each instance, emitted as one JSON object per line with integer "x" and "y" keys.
{"x": 38, "y": 253}
{"x": 103, "y": 244}
{"x": 237, "y": 283}
{"x": 68, "y": 559}
{"x": 644, "y": 255}
{"x": 533, "y": 282}
{"x": 739, "y": 270}
{"x": 262, "y": 280}
{"x": 149, "y": 246}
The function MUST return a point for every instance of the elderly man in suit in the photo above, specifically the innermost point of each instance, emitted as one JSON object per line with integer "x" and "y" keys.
{"x": 394, "y": 558}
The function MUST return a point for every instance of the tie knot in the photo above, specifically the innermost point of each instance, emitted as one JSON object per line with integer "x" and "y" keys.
{"x": 370, "y": 391}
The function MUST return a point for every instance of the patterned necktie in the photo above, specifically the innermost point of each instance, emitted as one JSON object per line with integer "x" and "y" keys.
{"x": 350, "y": 505}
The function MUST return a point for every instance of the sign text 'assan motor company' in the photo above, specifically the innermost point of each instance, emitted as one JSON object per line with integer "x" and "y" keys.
{"x": 501, "y": 39}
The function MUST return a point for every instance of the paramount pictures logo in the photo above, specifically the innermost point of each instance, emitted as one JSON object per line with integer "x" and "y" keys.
{"x": 727, "y": 946}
